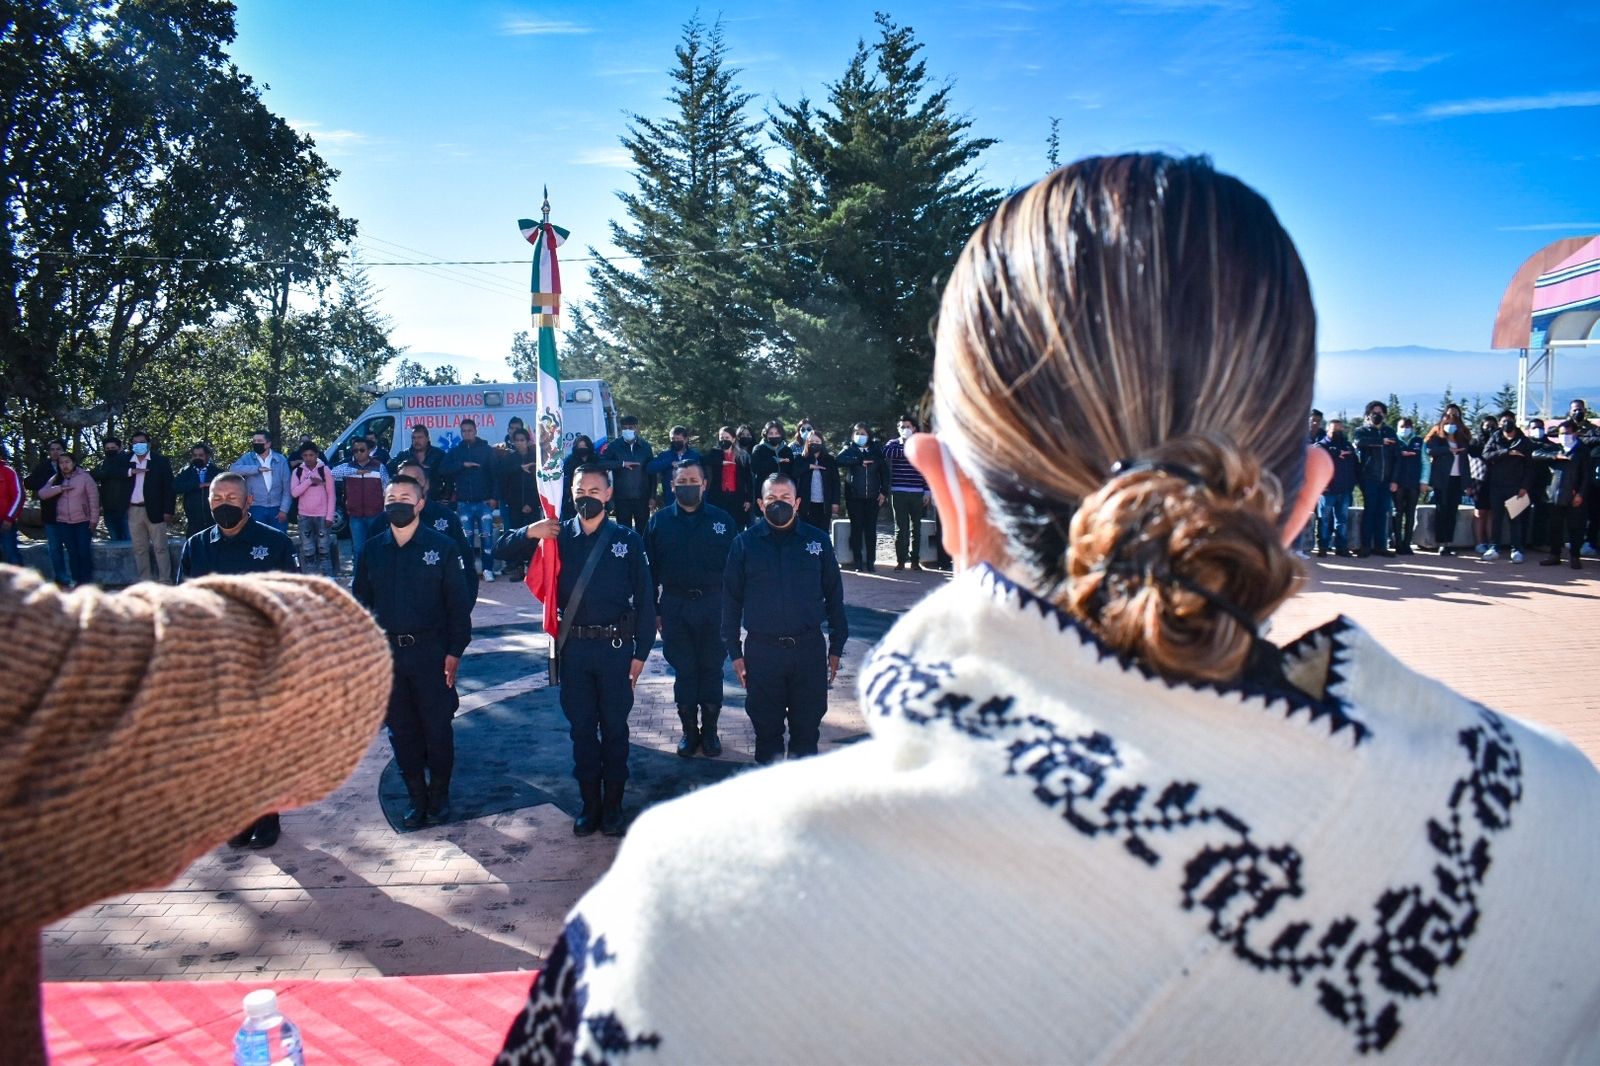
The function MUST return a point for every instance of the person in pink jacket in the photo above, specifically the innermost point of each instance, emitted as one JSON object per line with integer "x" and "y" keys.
{"x": 312, "y": 487}
{"x": 77, "y": 511}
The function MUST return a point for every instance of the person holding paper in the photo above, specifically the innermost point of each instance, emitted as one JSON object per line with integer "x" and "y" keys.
{"x": 1508, "y": 454}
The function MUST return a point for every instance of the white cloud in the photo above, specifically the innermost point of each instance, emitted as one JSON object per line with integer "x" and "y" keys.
{"x": 604, "y": 157}
{"x": 1508, "y": 104}
{"x": 1386, "y": 61}
{"x": 336, "y": 138}
{"x": 523, "y": 27}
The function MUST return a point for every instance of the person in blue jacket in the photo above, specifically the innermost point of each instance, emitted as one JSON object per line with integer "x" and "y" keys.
{"x": 781, "y": 584}
{"x": 667, "y": 461}
{"x": 1333, "y": 510}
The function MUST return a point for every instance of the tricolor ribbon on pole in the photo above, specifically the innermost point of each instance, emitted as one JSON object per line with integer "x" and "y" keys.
{"x": 548, "y": 438}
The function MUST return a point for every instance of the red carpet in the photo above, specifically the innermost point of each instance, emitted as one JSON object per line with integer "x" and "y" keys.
{"x": 375, "y": 1021}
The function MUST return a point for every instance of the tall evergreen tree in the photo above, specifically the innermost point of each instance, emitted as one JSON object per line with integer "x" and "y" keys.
{"x": 674, "y": 334}
{"x": 882, "y": 180}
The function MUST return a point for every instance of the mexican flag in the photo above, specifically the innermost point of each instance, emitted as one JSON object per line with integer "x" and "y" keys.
{"x": 547, "y": 434}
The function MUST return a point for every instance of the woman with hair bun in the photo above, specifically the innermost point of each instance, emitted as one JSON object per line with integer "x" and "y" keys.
{"x": 1100, "y": 817}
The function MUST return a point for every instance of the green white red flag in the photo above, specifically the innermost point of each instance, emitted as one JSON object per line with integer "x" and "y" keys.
{"x": 545, "y": 572}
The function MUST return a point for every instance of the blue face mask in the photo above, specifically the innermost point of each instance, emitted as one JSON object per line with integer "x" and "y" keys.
{"x": 141, "y": 448}
{"x": 629, "y": 435}
{"x": 861, "y": 440}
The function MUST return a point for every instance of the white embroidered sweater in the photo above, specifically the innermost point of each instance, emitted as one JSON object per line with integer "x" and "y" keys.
{"x": 1044, "y": 854}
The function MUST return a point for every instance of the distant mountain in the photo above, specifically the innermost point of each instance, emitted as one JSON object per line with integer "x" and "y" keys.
{"x": 1347, "y": 380}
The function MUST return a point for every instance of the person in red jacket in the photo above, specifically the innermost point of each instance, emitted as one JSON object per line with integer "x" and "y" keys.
{"x": 10, "y": 508}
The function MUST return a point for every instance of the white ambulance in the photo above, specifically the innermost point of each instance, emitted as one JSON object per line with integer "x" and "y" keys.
{"x": 586, "y": 408}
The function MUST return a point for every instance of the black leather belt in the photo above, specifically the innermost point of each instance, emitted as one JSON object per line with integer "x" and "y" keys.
{"x": 688, "y": 594}
{"x": 782, "y": 642}
{"x": 595, "y": 633}
{"x": 406, "y": 640}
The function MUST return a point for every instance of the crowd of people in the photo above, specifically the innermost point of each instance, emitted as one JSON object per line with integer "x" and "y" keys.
{"x": 1527, "y": 489}
{"x": 136, "y": 495}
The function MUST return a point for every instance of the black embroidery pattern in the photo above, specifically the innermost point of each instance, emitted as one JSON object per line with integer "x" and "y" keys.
{"x": 553, "y": 1023}
{"x": 1362, "y": 970}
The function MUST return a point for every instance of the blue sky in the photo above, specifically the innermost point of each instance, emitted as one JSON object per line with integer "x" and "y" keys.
{"x": 1417, "y": 152}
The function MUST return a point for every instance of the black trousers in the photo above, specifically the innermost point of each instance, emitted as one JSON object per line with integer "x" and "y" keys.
{"x": 1567, "y": 527}
{"x": 863, "y": 530}
{"x": 691, "y": 637}
{"x": 596, "y": 697}
{"x": 1591, "y": 505}
{"x": 734, "y": 503}
{"x": 1447, "y": 502}
{"x": 422, "y": 710}
{"x": 817, "y": 514}
{"x": 1403, "y": 522}
{"x": 635, "y": 513}
{"x": 786, "y": 684}
{"x": 1516, "y": 528}
{"x": 907, "y": 526}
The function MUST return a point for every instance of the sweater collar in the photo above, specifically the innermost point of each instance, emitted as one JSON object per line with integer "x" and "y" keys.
{"x": 1316, "y": 663}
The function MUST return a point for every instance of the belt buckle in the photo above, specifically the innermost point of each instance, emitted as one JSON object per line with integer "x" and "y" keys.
{"x": 404, "y": 640}
{"x": 786, "y": 642}
{"x": 695, "y": 594}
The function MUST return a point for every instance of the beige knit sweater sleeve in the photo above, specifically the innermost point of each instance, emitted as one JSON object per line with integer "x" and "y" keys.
{"x": 139, "y": 729}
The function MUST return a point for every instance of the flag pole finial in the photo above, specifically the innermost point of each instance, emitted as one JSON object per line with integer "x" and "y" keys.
{"x": 547, "y": 204}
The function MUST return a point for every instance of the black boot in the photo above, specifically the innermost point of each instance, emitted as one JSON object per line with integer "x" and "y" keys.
{"x": 439, "y": 798}
{"x": 588, "y": 819}
{"x": 691, "y": 733}
{"x": 710, "y": 743}
{"x": 417, "y": 790}
{"x": 611, "y": 810}
{"x": 264, "y": 833}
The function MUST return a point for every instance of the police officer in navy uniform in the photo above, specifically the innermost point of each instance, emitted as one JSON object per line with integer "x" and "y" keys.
{"x": 782, "y": 581}
{"x": 436, "y": 516}
{"x": 688, "y": 542}
{"x": 609, "y": 638}
{"x": 413, "y": 579}
{"x": 238, "y": 544}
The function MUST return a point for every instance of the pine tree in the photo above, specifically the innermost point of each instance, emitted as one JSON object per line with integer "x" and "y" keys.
{"x": 674, "y": 335}
{"x": 1505, "y": 399}
{"x": 882, "y": 182}
{"x": 1052, "y": 144}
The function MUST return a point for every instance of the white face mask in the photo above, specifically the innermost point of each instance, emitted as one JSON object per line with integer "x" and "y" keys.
{"x": 1569, "y": 441}
{"x": 906, "y": 431}
{"x": 1536, "y": 433}
{"x": 861, "y": 440}
{"x": 1405, "y": 432}
{"x": 628, "y": 434}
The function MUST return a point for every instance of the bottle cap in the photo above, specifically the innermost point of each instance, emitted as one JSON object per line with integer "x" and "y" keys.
{"x": 262, "y": 1003}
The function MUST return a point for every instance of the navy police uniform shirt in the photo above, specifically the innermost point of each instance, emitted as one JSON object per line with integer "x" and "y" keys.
{"x": 254, "y": 549}
{"x": 783, "y": 583}
{"x": 620, "y": 582}
{"x": 441, "y": 519}
{"x": 689, "y": 549}
{"x": 416, "y": 588}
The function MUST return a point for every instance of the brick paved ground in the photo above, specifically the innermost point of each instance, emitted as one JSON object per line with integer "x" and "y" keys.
{"x": 343, "y": 895}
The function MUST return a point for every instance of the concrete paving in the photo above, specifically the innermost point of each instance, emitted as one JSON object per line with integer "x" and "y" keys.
{"x": 342, "y": 895}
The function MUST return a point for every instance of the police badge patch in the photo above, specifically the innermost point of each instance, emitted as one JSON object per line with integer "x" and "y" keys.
{"x": 430, "y": 557}
{"x": 258, "y": 552}
{"x": 719, "y": 528}
{"x": 619, "y": 549}
{"x": 441, "y": 524}
{"x": 814, "y": 547}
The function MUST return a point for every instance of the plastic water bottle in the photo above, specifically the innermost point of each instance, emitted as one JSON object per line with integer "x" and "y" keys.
{"x": 266, "y": 1038}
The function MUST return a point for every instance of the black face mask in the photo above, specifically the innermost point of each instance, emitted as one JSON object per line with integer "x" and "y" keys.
{"x": 813, "y": 449}
{"x": 725, "y": 445}
{"x": 261, "y": 449}
{"x": 779, "y": 513}
{"x": 774, "y": 442}
{"x": 688, "y": 495}
{"x": 227, "y": 515}
{"x": 679, "y": 445}
{"x": 582, "y": 453}
{"x": 400, "y": 514}
{"x": 746, "y": 442}
{"x": 198, "y": 464}
{"x": 589, "y": 507}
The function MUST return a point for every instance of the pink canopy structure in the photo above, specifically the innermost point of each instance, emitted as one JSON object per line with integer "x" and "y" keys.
{"x": 1553, "y": 302}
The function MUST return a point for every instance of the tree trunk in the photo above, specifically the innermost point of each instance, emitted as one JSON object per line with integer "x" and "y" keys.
{"x": 277, "y": 342}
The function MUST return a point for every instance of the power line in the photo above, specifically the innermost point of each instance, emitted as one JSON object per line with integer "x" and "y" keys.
{"x": 440, "y": 262}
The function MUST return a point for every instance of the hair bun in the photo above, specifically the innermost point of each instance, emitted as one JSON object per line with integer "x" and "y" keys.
{"x": 1145, "y": 541}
